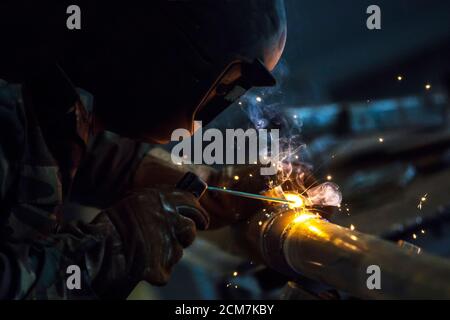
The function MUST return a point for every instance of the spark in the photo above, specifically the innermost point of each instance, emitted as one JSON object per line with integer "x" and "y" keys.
{"x": 250, "y": 175}
{"x": 399, "y": 77}
{"x": 414, "y": 236}
{"x": 422, "y": 231}
{"x": 381, "y": 140}
{"x": 428, "y": 86}
{"x": 329, "y": 178}
{"x": 354, "y": 238}
{"x": 260, "y": 223}
{"x": 240, "y": 103}
{"x": 258, "y": 99}
{"x": 423, "y": 199}
{"x": 236, "y": 178}
{"x": 235, "y": 274}
{"x": 352, "y": 227}
{"x": 295, "y": 116}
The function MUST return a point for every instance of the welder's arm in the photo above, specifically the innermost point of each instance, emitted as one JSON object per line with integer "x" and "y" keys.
{"x": 115, "y": 165}
{"x": 141, "y": 235}
{"x": 157, "y": 168}
{"x": 107, "y": 170}
{"x": 33, "y": 264}
{"x": 36, "y": 268}
{"x": 139, "y": 238}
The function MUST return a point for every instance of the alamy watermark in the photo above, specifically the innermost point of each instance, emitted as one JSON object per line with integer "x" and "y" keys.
{"x": 235, "y": 147}
{"x": 374, "y": 20}
{"x": 374, "y": 280}
{"x": 73, "y": 21}
{"x": 73, "y": 281}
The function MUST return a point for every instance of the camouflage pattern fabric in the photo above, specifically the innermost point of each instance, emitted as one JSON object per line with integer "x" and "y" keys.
{"x": 43, "y": 142}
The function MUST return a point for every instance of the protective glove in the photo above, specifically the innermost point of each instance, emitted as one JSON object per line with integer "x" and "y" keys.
{"x": 155, "y": 225}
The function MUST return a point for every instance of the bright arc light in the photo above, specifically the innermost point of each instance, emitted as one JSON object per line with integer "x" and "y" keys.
{"x": 296, "y": 200}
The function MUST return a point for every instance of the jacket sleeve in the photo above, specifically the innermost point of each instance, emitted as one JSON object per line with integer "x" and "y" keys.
{"x": 36, "y": 267}
{"x": 39, "y": 269}
{"x": 107, "y": 171}
{"x": 11, "y": 141}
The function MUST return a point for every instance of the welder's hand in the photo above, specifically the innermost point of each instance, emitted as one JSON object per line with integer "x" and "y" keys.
{"x": 155, "y": 225}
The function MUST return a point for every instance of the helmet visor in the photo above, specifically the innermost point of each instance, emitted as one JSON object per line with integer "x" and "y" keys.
{"x": 230, "y": 86}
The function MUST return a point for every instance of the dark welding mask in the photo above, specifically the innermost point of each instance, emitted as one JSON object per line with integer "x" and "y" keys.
{"x": 231, "y": 85}
{"x": 188, "y": 60}
{"x": 219, "y": 86}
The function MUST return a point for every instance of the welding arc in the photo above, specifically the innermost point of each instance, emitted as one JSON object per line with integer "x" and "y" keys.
{"x": 250, "y": 195}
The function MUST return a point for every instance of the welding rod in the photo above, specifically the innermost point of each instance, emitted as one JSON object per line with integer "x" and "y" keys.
{"x": 341, "y": 258}
{"x": 250, "y": 195}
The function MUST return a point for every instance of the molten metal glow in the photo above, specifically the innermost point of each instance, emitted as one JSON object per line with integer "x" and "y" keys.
{"x": 304, "y": 217}
{"x": 297, "y": 201}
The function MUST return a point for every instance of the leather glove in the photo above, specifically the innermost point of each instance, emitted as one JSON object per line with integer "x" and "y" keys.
{"x": 155, "y": 225}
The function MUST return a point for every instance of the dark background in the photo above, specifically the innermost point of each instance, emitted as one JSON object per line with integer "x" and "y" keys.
{"x": 331, "y": 54}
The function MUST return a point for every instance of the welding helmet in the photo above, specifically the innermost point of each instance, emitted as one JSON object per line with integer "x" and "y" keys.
{"x": 200, "y": 57}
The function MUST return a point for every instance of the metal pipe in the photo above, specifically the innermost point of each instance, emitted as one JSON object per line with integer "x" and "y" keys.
{"x": 308, "y": 245}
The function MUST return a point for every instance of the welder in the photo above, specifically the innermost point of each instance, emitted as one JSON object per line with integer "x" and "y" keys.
{"x": 146, "y": 69}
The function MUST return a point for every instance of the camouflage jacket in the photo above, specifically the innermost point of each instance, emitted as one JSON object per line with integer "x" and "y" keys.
{"x": 44, "y": 139}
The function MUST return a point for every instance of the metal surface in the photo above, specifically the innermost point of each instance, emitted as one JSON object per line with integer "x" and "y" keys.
{"x": 339, "y": 257}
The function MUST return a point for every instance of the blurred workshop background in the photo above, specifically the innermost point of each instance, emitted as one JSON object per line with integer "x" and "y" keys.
{"x": 373, "y": 109}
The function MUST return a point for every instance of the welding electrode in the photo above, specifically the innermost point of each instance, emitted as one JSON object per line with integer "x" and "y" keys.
{"x": 192, "y": 183}
{"x": 250, "y": 195}
{"x": 195, "y": 185}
